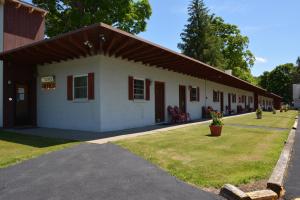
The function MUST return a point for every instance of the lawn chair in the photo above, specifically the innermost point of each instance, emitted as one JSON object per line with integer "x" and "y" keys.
{"x": 174, "y": 116}
{"x": 183, "y": 117}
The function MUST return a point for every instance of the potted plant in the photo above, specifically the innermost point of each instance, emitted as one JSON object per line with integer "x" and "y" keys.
{"x": 259, "y": 113}
{"x": 286, "y": 108}
{"x": 216, "y": 124}
{"x": 274, "y": 110}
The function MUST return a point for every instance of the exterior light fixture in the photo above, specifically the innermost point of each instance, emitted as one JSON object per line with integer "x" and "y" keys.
{"x": 88, "y": 44}
{"x": 102, "y": 37}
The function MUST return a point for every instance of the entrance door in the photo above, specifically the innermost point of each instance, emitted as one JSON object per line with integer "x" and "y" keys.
{"x": 159, "y": 102}
{"x": 182, "y": 98}
{"x": 22, "y": 105}
{"x": 222, "y": 101}
{"x": 229, "y": 102}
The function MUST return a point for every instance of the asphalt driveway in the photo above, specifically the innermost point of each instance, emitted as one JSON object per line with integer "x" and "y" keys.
{"x": 92, "y": 171}
{"x": 292, "y": 182}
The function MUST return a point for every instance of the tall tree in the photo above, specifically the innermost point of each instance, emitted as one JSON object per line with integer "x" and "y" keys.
{"x": 198, "y": 39}
{"x": 234, "y": 48}
{"x": 264, "y": 80}
{"x": 298, "y": 62}
{"x": 280, "y": 81}
{"x": 67, "y": 15}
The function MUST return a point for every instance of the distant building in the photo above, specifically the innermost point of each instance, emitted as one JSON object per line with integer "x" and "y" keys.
{"x": 296, "y": 95}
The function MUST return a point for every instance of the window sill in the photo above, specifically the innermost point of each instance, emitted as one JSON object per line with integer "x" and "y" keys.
{"x": 139, "y": 101}
{"x": 80, "y": 101}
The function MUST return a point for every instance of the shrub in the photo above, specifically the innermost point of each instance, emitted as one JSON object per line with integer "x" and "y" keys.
{"x": 216, "y": 119}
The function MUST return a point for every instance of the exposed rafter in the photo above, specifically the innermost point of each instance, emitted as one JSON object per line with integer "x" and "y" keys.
{"x": 110, "y": 41}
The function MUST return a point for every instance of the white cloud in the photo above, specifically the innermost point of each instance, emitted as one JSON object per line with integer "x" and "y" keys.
{"x": 260, "y": 59}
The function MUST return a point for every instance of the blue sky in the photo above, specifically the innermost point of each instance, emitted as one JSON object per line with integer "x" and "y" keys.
{"x": 271, "y": 25}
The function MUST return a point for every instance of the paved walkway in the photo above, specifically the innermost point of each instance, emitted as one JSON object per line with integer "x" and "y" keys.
{"x": 104, "y": 137}
{"x": 93, "y": 172}
{"x": 292, "y": 182}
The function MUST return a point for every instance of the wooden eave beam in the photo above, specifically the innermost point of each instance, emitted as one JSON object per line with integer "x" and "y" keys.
{"x": 76, "y": 44}
{"x": 59, "y": 52}
{"x": 18, "y": 5}
{"x": 148, "y": 56}
{"x": 50, "y": 52}
{"x": 164, "y": 59}
{"x": 31, "y": 10}
{"x": 24, "y": 57}
{"x": 65, "y": 47}
{"x": 142, "y": 54}
{"x": 120, "y": 47}
{"x": 133, "y": 50}
{"x": 110, "y": 45}
{"x": 175, "y": 63}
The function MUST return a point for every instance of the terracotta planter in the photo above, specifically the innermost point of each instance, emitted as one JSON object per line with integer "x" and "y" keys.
{"x": 215, "y": 130}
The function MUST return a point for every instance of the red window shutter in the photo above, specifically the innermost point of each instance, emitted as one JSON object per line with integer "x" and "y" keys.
{"x": 198, "y": 94}
{"x": 130, "y": 88}
{"x": 148, "y": 89}
{"x": 70, "y": 88}
{"x": 91, "y": 86}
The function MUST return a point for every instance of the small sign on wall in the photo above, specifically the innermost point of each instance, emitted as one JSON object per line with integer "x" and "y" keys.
{"x": 48, "y": 82}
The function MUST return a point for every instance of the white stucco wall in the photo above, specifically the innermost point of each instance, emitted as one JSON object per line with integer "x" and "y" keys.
{"x": 111, "y": 109}
{"x": 117, "y": 112}
{"x": 53, "y": 108}
{"x": 262, "y": 102}
{"x": 1, "y": 63}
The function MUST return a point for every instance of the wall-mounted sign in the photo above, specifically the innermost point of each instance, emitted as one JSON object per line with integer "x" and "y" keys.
{"x": 48, "y": 82}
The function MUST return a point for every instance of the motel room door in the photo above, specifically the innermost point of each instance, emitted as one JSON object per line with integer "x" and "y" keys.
{"x": 222, "y": 101}
{"x": 182, "y": 98}
{"x": 22, "y": 115}
{"x": 159, "y": 102}
{"x": 229, "y": 102}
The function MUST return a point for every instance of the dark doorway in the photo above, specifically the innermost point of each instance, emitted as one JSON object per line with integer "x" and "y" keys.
{"x": 182, "y": 98}
{"x": 229, "y": 103}
{"x": 22, "y": 110}
{"x": 222, "y": 101}
{"x": 159, "y": 102}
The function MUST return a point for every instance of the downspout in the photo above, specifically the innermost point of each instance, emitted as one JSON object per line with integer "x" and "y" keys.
{"x": 205, "y": 94}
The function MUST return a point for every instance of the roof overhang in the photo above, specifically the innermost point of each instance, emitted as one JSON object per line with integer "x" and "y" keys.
{"x": 104, "y": 39}
{"x": 31, "y": 8}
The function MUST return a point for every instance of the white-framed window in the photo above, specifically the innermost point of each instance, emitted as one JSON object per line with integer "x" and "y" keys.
{"x": 139, "y": 89}
{"x": 80, "y": 87}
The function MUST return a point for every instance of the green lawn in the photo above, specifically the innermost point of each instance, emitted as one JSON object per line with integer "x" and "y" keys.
{"x": 241, "y": 155}
{"x": 15, "y": 148}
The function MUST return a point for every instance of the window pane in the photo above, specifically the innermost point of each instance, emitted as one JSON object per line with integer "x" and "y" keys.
{"x": 80, "y": 81}
{"x": 193, "y": 94}
{"x": 80, "y": 87}
{"x": 139, "y": 87}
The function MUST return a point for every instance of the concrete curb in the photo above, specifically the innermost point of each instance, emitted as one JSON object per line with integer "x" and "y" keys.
{"x": 121, "y": 137}
{"x": 231, "y": 192}
{"x": 276, "y": 180}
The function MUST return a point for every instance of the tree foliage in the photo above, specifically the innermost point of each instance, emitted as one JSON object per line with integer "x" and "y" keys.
{"x": 279, "y": 81}
{"x": 67, "y": 15}
{"x": 234, "y": 49}
{"x": 209, "y": 39}
{"x": 198, "y": 38}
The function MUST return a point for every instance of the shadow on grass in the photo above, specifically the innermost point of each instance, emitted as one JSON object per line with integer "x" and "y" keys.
{"x": 29, "y": 140}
